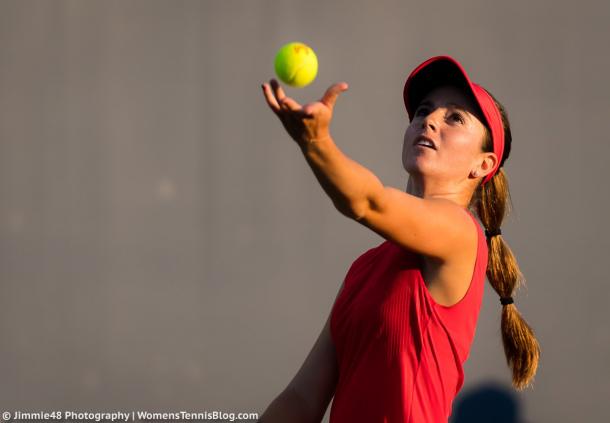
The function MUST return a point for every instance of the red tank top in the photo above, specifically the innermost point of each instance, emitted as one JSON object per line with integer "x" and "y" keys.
{"x": 400, "y": 354}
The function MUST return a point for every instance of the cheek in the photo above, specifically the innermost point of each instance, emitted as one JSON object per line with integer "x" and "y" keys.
{"x": 407, "y": 140}
{"x": 404, "y": 155}
{"x": 460, "y": 152}
{"x": 409, "y": 133}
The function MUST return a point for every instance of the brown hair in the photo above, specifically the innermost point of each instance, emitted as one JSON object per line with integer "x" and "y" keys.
{"x": 491, "y": 203}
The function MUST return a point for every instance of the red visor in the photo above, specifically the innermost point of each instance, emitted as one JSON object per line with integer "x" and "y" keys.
{"x": 440, "y": 70}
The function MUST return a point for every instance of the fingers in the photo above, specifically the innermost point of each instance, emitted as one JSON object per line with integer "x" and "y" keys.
{"x": 277, "y": 99}
{"x": 290, "y": 104}
{"x": 274, "y": 94}
{"x": 277, "y": 90}
{"x": 331, "y": 94}
{"x": 271, "y": 100}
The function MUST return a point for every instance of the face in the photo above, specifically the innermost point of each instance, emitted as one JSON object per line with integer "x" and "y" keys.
{"x": 451, "y": 119}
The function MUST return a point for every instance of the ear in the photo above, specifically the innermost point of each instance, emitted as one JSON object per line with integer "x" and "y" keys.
{"x": 486, "y": 166}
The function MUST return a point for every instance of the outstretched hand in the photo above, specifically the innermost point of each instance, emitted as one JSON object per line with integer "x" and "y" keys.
{"x": 308, "y": 123}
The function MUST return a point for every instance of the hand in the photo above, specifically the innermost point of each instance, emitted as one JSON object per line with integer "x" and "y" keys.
{"x": 308, "y": 123}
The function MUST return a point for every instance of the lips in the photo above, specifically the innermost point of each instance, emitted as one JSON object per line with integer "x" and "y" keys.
{"x": 420, "y": 138}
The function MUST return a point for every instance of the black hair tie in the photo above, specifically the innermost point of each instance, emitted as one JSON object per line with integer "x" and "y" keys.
{"x": 506, "y": 300}
{"x": 491, "y": 233}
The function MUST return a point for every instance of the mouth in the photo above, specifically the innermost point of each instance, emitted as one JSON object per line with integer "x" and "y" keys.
{"x": 425, "y": 142}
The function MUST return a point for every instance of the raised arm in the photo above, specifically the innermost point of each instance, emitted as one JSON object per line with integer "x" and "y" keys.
{"x": 432, "y": 227}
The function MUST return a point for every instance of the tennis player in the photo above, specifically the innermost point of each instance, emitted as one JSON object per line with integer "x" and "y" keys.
{"x": 401, "y": 327}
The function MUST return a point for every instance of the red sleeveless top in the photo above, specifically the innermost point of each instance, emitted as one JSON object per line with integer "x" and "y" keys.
{"x": 400, "y": 354}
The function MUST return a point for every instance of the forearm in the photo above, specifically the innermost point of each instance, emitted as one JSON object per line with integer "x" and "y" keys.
{"x": 351, "y": 186}
{"x": 287, "y": 407}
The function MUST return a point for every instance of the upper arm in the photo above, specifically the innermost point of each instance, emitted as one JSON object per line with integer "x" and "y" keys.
{"x": 432, "y": 227}
{"x": 316, "y": 380}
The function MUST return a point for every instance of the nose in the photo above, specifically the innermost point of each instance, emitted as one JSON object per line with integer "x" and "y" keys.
{"x": 430, "y": 120}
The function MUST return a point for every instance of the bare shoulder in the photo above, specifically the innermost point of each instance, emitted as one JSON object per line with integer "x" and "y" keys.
{"x": 432, "y": 227}
{"x": 448, "y": 280}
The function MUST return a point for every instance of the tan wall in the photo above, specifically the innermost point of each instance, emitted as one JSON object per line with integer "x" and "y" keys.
{"x": 164, "y": 245}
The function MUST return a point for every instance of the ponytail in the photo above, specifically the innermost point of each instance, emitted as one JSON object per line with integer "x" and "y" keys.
{"x": 491, "y": 203}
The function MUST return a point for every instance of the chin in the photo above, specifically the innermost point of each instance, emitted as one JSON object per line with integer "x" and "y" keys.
{"x": 414, "y": 164}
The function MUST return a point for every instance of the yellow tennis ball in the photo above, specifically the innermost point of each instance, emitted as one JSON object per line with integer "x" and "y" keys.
{"x": 296, "y": 64}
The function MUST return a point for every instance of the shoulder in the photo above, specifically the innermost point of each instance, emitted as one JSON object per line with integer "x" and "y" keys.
{"x": 431, "y": 227}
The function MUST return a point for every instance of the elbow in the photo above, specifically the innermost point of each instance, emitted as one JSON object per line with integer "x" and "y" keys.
{"x": 359, "y": 210}
{"x": 346, "y": 208}
{"x": 356, "y": 211}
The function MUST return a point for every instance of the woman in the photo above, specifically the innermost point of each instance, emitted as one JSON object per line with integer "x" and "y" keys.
{"x": 393, "y": 347}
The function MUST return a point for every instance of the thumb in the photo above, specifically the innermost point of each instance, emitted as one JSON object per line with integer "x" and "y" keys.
{"x": 331, "y": 94}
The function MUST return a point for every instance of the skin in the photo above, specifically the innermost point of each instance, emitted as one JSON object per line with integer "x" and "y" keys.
{"x": 455, "y": 168}
{"x": 453, "y": 171}
{"x": 446, "y": 177}
{"x": 308, "y": 123}
{"x": 441, "y": 181}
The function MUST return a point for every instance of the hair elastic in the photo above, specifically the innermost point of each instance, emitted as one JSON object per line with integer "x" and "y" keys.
{"x": 506, "y": 300}
{"x": 492, "y": 232}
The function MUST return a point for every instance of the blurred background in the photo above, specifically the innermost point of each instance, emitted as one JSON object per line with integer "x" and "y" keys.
{"x": 164, "y": 245}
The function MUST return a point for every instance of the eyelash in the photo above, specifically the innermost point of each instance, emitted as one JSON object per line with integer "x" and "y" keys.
{"x": 461, "y": 119}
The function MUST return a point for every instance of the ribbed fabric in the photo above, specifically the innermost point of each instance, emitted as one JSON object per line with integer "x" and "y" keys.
{"x": 400, "y": 353}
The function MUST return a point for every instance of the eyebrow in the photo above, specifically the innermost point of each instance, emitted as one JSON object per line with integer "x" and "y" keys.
{"x": 467, "y": 114}
{"x": 429, "y": 103}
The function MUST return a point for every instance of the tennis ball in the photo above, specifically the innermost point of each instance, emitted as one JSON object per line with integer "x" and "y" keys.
{"x": 296, "y": 64}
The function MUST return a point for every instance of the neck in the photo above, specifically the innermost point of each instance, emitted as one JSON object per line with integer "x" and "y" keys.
{"x": 429, "y": 189}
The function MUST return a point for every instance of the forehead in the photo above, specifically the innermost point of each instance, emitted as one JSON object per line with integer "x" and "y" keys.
{"x": 450, "y": 95}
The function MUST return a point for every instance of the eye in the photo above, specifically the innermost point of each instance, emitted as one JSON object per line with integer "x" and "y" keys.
{"x": 457, "y": 116}
{"x": 419, "y": 109}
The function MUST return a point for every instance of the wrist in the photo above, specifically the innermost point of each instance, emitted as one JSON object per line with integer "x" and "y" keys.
{"x": 315, "y": 143}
